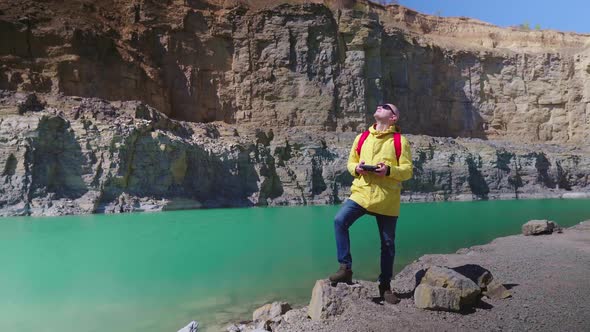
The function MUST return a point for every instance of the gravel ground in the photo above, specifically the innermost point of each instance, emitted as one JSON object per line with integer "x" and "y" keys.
{"x": 548, "y": 275}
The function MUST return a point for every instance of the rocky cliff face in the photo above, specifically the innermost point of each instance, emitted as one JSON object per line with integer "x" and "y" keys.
{"x": 76, "y": 155}
{"x": 111, "y": 106}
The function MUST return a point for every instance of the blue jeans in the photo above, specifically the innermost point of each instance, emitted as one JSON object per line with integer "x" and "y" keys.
{"x": 346, "y": 216}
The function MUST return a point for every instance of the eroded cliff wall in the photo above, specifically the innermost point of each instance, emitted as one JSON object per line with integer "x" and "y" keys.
{"x": 145, "y": 104}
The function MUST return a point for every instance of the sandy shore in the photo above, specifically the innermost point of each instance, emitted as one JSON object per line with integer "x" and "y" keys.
{"x": 548, "y": 275}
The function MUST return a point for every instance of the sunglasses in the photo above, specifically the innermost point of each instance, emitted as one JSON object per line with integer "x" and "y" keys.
{"x": 387, "y": 107}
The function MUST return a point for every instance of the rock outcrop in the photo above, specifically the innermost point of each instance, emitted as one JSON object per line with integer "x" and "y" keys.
{"x": 79, "y": 155}
{"x": 538, "y": 227}
{"x": 329, "y": 301}
{"x": 112, "y": 106}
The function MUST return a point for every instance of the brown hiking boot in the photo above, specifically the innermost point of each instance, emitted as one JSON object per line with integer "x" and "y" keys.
{"x": 344, "y": 274}
{"x": 387, "y": 295}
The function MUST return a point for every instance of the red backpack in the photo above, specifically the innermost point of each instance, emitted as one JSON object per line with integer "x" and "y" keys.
{"x": 397, "y": 144}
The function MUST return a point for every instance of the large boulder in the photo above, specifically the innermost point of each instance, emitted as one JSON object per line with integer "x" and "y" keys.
{"x": 537, "y": 227}
{"x": 328, "y": 301}
{"x": 444, "y": 289}
{"x": 437, "y": 298}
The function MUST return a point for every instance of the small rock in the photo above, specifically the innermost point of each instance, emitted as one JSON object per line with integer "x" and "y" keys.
{"x": 496, "y": 290}
{"x": 233, "y": 328}
{"x": 191, "y": 327}
{"x": 270, "y": 311}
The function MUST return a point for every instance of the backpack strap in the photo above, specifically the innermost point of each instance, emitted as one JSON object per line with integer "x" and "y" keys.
{"x": 362, "y": 139}
{"x": 397, "y": 143}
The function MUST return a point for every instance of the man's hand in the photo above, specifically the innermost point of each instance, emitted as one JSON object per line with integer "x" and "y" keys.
{"x": 382, "y": 170}
{"x": 359, "y": 170}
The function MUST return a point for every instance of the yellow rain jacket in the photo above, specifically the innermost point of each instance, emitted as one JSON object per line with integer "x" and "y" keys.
{"x": 377, "y": 194}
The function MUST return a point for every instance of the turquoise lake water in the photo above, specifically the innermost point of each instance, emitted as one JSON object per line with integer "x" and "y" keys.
{"x": 157, "y": 271}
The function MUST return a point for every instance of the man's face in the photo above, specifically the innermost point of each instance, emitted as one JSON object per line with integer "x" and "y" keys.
{"x": 385, "y": 112}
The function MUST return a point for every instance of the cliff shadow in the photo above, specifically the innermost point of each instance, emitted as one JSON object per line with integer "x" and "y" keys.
{"x": 56, "y": 161}
{"x": 543, "y": 166}
{"x": 227, "y": 181}
{"x": 477, "y": 183}
{"x": 154, "y": 167}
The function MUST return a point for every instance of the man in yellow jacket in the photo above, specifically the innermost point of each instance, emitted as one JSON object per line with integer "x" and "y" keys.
{"x": 375, "y": 192}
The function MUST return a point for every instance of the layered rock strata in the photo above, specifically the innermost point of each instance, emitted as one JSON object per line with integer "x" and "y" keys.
{"x": 304, "y": 65}
{"x": 75, "y": 155}
{"x": 204, "y": 103}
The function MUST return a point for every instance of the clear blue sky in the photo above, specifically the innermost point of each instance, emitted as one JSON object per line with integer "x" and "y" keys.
{"x": 563, "y": 15}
